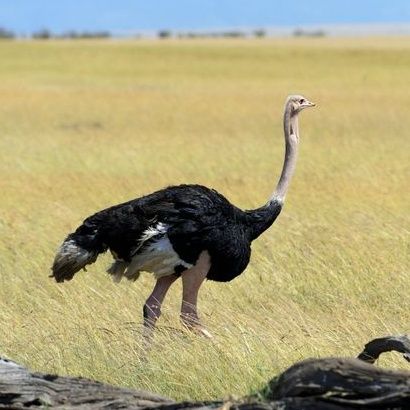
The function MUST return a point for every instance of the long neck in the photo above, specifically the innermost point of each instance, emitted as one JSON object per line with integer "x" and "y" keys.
{"x": 262, "y": 218}
{"x": 291, "y": 130}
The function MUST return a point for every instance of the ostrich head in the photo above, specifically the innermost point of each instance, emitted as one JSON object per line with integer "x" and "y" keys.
{"x": 298, "y": 103}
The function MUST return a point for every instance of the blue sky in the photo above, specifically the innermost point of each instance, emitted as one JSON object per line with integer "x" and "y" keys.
{"x": 25, "y": 16}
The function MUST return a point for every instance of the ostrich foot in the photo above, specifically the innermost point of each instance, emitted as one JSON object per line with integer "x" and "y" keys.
{"x": 193, "y": 324}
{"x": 201, "y": 331}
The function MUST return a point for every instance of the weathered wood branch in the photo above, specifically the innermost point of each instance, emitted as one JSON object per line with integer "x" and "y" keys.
{"x": 376, "y": 347}
{"x": 331, "y": 384}
{"x": 342, "y": 383}
{"x": 345, "y": 383}
{"x": 20, "y": 388}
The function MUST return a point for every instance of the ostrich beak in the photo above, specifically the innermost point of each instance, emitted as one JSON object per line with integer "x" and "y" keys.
{"x": 307, "y": 104}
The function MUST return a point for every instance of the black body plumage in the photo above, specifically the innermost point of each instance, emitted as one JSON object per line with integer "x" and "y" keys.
{"x": 197, "y": 219}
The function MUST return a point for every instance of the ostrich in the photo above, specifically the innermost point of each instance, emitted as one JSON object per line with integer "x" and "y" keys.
{"x": 187, "y": 231}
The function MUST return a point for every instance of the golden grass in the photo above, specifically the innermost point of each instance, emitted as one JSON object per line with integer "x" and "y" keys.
{"x": 84, "y": 125}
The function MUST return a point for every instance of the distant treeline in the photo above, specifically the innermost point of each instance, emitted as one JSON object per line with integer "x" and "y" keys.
{"x": 236, "y": 34}
{"x": 308, "y": 33}
{"x": 45, "y": 34}
{"x": 258, "y": 33}
{"x": 4, "y": 33}
{"x": 215, "y": 34}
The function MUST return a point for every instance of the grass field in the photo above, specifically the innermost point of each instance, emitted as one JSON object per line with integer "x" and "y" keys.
{"x": 84, "y": 125}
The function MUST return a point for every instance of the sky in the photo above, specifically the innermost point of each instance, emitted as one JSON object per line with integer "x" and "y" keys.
{"x": 122, "y": 16}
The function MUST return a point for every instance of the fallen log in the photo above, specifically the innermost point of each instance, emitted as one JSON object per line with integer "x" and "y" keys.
{"x": 20, "y": 388}
{"x": 331, "y": 384}
{"x": 344, "y": 383}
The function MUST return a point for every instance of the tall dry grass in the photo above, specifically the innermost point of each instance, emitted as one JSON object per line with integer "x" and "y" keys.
{"x": 84, "y": 125}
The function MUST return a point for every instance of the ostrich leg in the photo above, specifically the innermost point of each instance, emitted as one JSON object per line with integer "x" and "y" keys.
{"x": 192, "y": 280}
{"x": 152, "y": 307}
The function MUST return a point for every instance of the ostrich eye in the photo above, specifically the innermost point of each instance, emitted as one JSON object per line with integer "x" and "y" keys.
{"x": 301, "y": 101}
